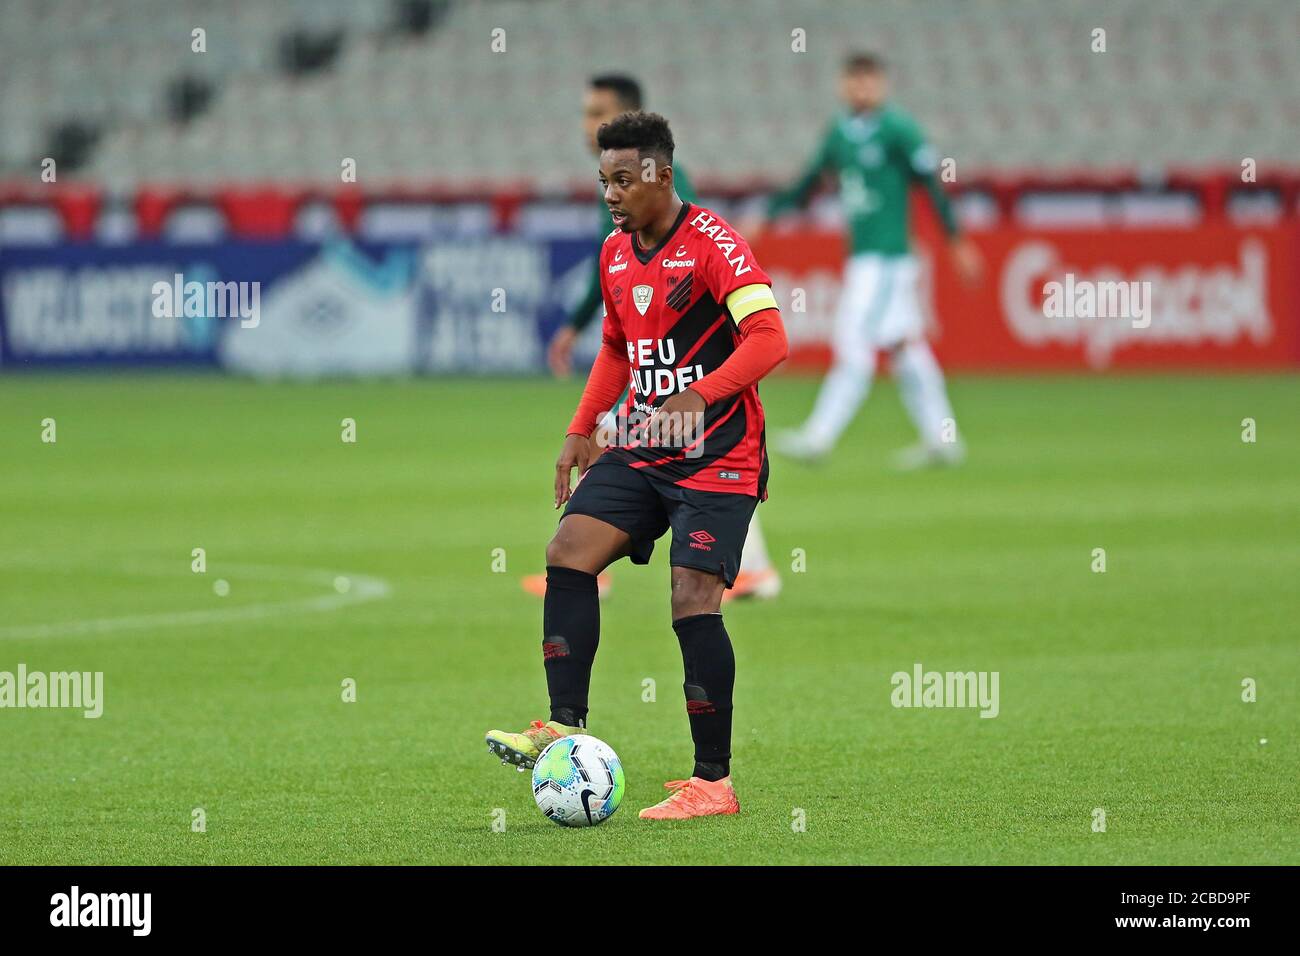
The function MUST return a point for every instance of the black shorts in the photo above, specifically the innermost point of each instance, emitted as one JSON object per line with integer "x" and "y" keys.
{"x": 709, "y": 527}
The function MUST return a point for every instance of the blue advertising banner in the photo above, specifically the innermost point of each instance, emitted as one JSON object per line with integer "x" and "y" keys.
{"x": 292, "y": 308}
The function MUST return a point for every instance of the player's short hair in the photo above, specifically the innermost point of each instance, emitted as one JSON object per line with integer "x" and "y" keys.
{"x": 861, "y": 61}
{"x": 622, "y": 86}
{"x": 647, "y": 133}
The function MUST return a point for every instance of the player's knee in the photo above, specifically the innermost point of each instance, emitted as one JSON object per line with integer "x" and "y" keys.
{"x": 562, "y": 550}
{"x": 908, "y": 350}
{"x": 689, "y": 602}
{"x": 857, "y": 361}
{"x": 695, "y": 592}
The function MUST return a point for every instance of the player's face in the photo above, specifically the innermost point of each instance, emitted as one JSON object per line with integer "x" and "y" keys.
{"x": 598, "y": 108}
{"x": 635, "y": 189}
{"x": 863, "y": 90}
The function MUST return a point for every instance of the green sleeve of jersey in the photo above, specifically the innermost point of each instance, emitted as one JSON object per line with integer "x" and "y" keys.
{"x": 585, "y": 311}
{"x": 797, "y": 195}
{"x": 685, "y": 189}
{"x": 923, "y": 166}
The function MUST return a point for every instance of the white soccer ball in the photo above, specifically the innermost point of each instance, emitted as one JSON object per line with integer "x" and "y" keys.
{"x": 578, "y": 781}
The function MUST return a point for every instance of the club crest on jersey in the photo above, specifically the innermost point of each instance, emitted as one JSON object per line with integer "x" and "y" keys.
{"x": 641, "y": 295}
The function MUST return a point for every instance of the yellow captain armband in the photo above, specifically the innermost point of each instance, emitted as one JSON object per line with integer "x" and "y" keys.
{"x": 749, "y": 299}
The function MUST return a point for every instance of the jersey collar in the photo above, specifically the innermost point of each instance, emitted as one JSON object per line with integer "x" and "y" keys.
{"x": 645, "y": 256}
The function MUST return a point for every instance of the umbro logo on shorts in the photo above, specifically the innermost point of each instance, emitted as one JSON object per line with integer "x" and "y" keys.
{"x": 701, "y": 540}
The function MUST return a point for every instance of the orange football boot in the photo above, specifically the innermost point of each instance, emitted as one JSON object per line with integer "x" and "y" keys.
{"x": 694, "y": 798}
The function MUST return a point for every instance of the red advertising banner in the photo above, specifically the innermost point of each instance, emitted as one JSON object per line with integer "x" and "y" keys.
{"x": 1212, "y": 296}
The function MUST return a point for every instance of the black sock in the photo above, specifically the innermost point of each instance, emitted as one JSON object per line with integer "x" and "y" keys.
{"x": 710, "y": 667}
{"x": 711, "y": 771}
{"x": 570, "y": 635}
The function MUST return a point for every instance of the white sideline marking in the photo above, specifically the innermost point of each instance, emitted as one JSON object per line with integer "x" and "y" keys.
{"x": 363, "y": 588}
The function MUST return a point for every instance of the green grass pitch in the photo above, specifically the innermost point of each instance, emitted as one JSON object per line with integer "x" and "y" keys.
{"x": 1119, "y": 690}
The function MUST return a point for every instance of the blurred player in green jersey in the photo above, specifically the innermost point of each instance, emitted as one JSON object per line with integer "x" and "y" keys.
{"x": 878, "y": 153}
{"x": 607, "y": 96}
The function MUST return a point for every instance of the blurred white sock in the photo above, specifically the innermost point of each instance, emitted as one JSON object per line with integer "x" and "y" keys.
{"x": 924, "y": 394}
{"x": 842, "y": 393}
{"x": 753, "y": 557}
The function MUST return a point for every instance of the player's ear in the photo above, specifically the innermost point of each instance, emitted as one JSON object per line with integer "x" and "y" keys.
{"x": 652, "y": 171}
{"x": 664, "y": 176}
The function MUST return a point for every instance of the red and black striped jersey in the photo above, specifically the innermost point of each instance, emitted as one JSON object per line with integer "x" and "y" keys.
{"x": 668, "y": 309}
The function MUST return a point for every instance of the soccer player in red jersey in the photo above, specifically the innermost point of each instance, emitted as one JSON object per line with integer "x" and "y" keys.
{"x": 607, "y": 96}
{"x": 692, "y": 324}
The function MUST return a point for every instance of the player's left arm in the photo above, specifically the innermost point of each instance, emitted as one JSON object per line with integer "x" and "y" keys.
{"x": 923, "y": 166}
{"x": 922, "y": 161}
{"x": 736, "y": 280}
{"x": 763, "y": 345}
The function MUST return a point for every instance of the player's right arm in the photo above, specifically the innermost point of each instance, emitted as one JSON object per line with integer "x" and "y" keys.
{"x": 796, "y": 196}
{"x": 608, "y": 378}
